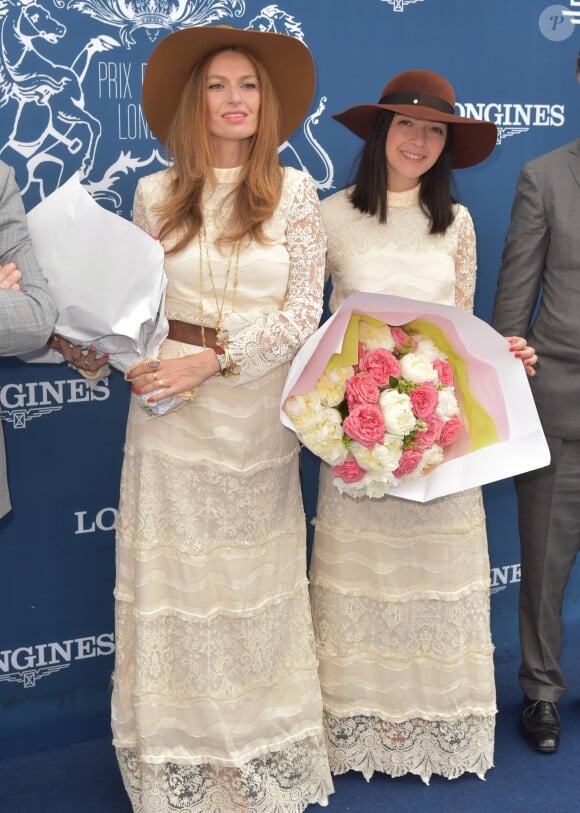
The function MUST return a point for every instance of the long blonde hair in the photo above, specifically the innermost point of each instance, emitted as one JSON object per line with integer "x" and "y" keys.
{"x": 257, "y": 193}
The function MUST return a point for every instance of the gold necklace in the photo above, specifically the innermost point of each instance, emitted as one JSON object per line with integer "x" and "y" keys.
{"x": 234, "y": 260}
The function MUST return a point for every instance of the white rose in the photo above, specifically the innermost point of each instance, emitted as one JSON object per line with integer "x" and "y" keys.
{"x": 332, "y": 453}
{"x": 304, "y": 411}
{"x": 378, "y": 484}
{"x": 417, "y": 369}
{"x": 331, "y": 385}
{"x": 329, "y": 426}
{"x": 372, "y": 485}
{"x": 426, "y": 348}
{"x": 447, "y": 405}
{"x": 397, "y": 412}
{"x": 350, "y": 489}
{"x": 383, "y": 457}
{"x": 431, "y": 458}
{"x": 373, "y": 336}
{"x": 325, "y": 439}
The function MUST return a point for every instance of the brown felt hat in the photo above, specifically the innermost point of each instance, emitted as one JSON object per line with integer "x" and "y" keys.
{"x": 426, "y": 95}
{"x": 287, "y": 60}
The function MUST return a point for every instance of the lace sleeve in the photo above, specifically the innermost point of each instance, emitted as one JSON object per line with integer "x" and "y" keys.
{"x": 274, "y": 338}
{"x": 465, "y": 261}
{"x": 139, "y": 214}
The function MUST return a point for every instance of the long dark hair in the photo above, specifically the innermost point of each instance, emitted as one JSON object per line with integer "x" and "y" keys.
{"x": 371, "y": 180}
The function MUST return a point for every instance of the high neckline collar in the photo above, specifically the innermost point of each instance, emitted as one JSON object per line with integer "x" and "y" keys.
{"x": 403, "y": 200}
{"x": 227, "y": 174}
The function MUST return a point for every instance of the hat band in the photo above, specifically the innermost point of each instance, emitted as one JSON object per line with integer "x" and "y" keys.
{"x": 420, "y": 99}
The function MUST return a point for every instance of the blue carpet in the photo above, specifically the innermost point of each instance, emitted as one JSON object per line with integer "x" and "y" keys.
{"x": 84, "y": 778}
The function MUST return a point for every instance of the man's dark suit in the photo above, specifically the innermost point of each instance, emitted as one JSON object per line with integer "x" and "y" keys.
{"x": 541, "y": 267}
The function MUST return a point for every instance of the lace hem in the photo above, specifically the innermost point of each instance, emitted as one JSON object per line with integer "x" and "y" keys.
{"x": 284, "y": 781}
{"x": 448, "y": 748}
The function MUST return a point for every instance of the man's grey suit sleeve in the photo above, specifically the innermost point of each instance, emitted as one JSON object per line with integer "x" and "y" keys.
{"x": 523, "y": 258}
{"x": 27, "y": 316}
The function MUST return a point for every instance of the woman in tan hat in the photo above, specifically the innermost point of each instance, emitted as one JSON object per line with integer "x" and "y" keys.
{"x": 216, "y": 702}
{"x": 400, "y": 589}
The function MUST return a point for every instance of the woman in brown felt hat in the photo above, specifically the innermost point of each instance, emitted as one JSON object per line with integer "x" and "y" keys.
{"x": 400, "y": 589}
{"x": 216, "y": 703}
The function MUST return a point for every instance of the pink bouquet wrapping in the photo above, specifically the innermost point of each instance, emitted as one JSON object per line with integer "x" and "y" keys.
{"x": 413, "y": 399}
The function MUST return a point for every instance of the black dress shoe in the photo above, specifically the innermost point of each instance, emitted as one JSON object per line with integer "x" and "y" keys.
{"x": 540, "y": 724}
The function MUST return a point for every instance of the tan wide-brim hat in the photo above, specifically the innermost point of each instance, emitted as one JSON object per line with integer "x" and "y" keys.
{"x": 287, "y": 60}
{"x": 426, "y": 95}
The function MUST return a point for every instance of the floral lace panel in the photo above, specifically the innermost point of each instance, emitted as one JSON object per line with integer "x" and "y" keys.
{"x": 181, "y": 503}
{"x": 219, "y": 656}
{"x": 346, "y": 624}
{"x": 139, "y": 212}
{"x": 284, "y": 781}
{"x": 422, "y": 747}
{"x": 465, "y": 261}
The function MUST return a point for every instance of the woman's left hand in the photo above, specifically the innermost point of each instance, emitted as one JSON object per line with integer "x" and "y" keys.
{"x": 521, "y": 349}
{"x": 167, "y": 377}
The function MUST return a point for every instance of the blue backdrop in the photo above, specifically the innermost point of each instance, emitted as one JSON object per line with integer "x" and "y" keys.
{"x": 70, "y": 79}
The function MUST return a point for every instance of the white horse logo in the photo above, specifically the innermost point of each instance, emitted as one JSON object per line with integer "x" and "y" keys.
{"x": 51, "y": 122}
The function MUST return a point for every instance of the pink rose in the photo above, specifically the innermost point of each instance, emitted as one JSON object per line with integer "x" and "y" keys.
{"x": 349, "y": 471}
{"x": 409, "y": 461}
{"x": 425, "y": 439}
{"x": 381, "y": 365}
{"x": 451, "y": 431}
{"x": 360, "y": 389}
{"x": 424, "y": 400}
{"x": 444, "y": 371}
{"x": 403, "y": 342}
{"x": 366, "y": 424}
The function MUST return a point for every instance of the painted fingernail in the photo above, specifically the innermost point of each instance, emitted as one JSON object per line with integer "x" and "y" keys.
{"x": 518, "y": 355}
{"x": 136, "y": 391}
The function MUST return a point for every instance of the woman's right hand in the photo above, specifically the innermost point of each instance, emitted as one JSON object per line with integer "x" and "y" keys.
{"x": 84, "y": 359}
{"x": 161, "y": 378}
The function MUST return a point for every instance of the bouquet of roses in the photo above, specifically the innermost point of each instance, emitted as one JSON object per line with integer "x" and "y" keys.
{"x": 384, "y": 419}
{"x": 412, "y": 398}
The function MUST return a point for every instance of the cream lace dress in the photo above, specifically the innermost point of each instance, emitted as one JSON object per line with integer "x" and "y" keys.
{"x": 216, "y": 703}
{"x": 400, "y": 590}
